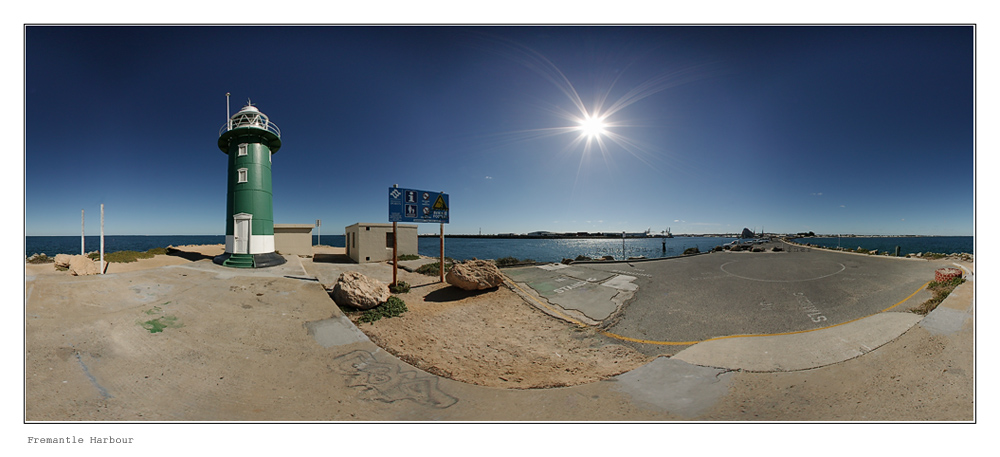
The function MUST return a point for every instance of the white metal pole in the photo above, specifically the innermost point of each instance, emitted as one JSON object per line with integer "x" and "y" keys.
{"x": 82, "y": 251}
{"x": 102, "y": 238}
{"x": 229, "y": 121}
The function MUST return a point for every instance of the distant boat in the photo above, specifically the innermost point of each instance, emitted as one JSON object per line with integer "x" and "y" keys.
{"x": 668, "y": 235}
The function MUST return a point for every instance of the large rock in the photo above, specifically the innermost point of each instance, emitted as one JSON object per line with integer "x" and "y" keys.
{"x": 62, "y": 260}
{"x": 475, "y": 275}
{"x": 81, "y": 265}
{"x": 359, "y": 291}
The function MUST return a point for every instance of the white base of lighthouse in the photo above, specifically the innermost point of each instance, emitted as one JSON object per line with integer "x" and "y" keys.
{"x": 259, "y": 244}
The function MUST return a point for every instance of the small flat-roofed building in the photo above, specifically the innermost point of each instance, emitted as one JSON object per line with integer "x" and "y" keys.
{"x": 373, "y": 242}
{"x": 293, "y": 239}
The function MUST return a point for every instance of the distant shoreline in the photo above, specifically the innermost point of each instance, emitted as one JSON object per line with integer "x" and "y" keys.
{"x": 619, "y": 236}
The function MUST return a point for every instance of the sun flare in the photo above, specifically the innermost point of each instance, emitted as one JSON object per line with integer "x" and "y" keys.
{"x": 592, "y": 127}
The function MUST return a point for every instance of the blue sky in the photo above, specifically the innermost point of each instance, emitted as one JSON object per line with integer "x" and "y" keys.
{"x": 832, "y": 129}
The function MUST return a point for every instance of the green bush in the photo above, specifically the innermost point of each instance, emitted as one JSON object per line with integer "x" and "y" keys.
{"x": 433, "y": 269}
{"x": 690, "y": 251}
{"x": 40, "y": 258}
{"x": 391, "y": 308}
{"x": 400, "y": 287}
{"x": 507, "y": 261}
{"x": 408, "y": 257}
{"x": 127, "y": 256}
{"x": 939, "y": 291}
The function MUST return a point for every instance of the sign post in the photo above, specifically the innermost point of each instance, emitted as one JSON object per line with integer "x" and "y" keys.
{"x": 442, "y": 253}
{"x": 410, "y": 205}
{"x": 319, "y": 237}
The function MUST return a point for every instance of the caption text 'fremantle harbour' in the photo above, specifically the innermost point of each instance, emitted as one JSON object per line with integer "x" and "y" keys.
{"x": 80, "y": 440}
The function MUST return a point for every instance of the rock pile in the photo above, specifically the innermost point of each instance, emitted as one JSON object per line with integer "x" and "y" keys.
{"x": 78, "y": 265}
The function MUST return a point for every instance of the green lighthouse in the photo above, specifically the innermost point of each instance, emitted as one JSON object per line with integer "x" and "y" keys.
{"x": 249, "y": 139}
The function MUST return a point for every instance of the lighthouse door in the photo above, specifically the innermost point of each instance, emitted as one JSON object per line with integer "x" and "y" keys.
{"x": 241, "y": 234}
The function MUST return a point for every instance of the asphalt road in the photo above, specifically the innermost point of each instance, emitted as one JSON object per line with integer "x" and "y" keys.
{"x": 691, "y": 299}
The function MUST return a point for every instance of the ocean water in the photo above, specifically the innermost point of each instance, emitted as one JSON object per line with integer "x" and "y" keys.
{"x": 907, "y": 244}
{"x": 541, "y": 250}
{"x": 554, "y": 250}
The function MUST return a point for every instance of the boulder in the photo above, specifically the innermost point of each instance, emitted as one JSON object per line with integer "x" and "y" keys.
{"x": 475, "y": 275}
{"x": 359, "y": 291}
{"x": 81, "y": 265}
{"x": 62, "y": 260}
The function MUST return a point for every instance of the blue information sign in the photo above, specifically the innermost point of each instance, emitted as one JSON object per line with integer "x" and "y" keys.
{"x": 409, "y": 205}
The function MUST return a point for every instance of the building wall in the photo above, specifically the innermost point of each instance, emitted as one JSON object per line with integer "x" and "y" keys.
{"x": 293, "y": 239}
{"x": 255, "y": 195}
{"x": 368, "y": 242}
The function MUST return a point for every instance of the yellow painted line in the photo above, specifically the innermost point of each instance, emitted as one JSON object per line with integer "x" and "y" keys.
{"x": 688, "y": 343}
{"x": 907, "y": 298}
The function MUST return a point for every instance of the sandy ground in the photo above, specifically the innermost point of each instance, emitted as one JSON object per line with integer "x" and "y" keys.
{"x": 244, "y": 342}
{"x": 494, "y": 339}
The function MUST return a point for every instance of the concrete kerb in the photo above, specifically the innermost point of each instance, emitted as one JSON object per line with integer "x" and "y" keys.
{"x": 800, "y": 351}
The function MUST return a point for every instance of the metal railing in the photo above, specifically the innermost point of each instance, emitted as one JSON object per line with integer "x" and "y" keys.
{"x": 255, "y": 121}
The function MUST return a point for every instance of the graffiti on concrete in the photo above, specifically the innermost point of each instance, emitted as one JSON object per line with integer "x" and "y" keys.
{"x": 386, "y": 382}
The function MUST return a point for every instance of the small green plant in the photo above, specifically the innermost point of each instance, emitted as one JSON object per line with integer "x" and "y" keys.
{"x": 393, "y": 307}
{"x": 408, "y": 257}
{"x": 433, "y": 269}
{"x": 400, "y": 287}
{"x": 861, "y": 250}
{"x": 127, "y": 256}
{"x": 507, "y": 261}
{"x": 939, "y": 291}
{"x": 690, "y": 251}
{"x": 513, "y": 261}
{"x": 583, "y": 257}
{"x": 40, "y": 258}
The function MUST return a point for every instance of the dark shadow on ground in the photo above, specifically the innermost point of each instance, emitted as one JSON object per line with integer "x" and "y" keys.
{"x": 186, "y": 255}
{"x": 453, "y": 293}
{"x": 332, "y": 258}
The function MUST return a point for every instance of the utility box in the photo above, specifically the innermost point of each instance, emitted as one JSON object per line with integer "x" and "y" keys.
{"x": 373, "y": 242}
{"x": 293, "y": 239}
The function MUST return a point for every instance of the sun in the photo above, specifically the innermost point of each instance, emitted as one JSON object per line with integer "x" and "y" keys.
{"x": 592, "y": 126}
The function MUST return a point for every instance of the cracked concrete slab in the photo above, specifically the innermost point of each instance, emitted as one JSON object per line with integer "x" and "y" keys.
{"x": 593, "y": 300}
{"x": 675, "y": 386}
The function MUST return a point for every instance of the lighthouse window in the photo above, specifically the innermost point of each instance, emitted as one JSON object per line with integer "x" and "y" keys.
{"x": 242, "y": 150}
{"x": 241, "y": 175}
